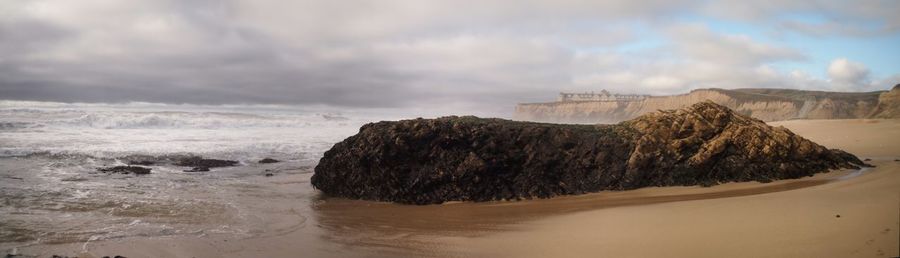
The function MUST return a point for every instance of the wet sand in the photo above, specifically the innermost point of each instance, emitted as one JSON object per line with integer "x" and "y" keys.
{"x": 797, "y": 223}
{"x": 789, "y": 218}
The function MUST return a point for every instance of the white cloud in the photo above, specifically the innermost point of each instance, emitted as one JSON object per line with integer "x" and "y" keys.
{"x": 698, "y": 42}
{"x": 695, "y": 58}
{"x": 846, "y": 74}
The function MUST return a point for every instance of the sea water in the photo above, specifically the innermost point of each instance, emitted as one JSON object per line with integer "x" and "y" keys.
{"x": 51, "y": 191}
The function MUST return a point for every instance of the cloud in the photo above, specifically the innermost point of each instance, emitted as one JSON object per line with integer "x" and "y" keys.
{"x": 698, "y": 42}
{"x": 847, "y": 74}
{"x": 484, "y": 55}
{"x": 695, "y": 57}
{"x": 818, "y": 18}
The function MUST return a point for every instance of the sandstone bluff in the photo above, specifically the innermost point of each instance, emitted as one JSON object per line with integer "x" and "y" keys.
{"x": 430, "y": 161}
{"x": 765, "y": 104}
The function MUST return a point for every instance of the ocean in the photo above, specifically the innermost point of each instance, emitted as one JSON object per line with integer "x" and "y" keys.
{"x": 51, "y": 191}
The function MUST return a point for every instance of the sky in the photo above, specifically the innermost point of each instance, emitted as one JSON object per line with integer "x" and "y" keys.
{"x": 471, "y": 56}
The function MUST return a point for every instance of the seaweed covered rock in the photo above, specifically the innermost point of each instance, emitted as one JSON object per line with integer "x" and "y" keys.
{"x": 428, "y": 161}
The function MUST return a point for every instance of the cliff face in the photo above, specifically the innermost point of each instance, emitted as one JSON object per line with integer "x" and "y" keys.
{"x": 425, "y": 161}
{"x": 764, "y": 104}
{"x": 888, "y": 104}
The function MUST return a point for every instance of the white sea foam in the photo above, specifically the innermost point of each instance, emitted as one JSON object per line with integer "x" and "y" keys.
{"x": 237, "y": 132}
{"x": 56, "y": 194}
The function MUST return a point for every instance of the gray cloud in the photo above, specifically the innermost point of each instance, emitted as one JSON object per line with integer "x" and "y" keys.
{"x": 475, "y": 55}
{"x": 821, "y": 17}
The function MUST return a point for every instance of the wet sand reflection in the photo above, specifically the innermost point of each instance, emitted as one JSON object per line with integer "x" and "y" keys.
{"x": 393, "y": 227}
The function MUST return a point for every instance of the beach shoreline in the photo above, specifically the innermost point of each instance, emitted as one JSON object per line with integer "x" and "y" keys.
{"x": 786, "y": 218}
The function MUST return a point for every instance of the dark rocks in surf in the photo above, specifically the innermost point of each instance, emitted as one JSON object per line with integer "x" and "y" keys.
{"x": 142, "y": 163}
{"x": 268, "y": 160}
{"x": 429, "y": 161}
{"x": 125, "y": 170}
{"x": 199, "y": 162}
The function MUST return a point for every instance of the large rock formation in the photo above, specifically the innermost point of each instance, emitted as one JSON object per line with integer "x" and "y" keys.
{"x": 764, "y": 104}
{"x": 888, "y": 104}
{"x": 426, "y": 161}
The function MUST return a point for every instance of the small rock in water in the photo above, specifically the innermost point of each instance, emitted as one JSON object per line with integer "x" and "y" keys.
{"x": 867, "y": 160}
{"x": 207, "y": 163}
{"x": 141, "y": 162}
{"x": 837, "y": 216}
{"x": 198, "y": 169}
{"x": 126, "y": 170}
{"x": 269, "y": 174}
{"x": 268, "y": 160}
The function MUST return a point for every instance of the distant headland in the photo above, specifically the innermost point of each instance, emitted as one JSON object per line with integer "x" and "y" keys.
{"x": 761, "y": 103}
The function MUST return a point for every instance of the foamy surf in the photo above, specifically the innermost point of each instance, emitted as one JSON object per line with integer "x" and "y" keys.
{"x": 52, "y": 191}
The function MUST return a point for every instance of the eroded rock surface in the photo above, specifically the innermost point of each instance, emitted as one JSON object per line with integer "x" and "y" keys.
{"x": 428, "y": 161}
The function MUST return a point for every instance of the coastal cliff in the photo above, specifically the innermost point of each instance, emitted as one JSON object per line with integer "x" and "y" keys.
{"x": 428, "y": 161}
{"x": 888, "y": 104}
{"x": 764, "y": 104}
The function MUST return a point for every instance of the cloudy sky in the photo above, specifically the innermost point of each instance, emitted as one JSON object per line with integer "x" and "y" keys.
{"x": 474, "y": 55}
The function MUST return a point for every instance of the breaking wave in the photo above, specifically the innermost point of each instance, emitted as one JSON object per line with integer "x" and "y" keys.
{"x": 234, "y": 132}
{"x": 24, "y": 119}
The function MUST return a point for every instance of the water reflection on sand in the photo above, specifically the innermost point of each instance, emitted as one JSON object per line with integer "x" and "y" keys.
{"x": 418, "y": 230}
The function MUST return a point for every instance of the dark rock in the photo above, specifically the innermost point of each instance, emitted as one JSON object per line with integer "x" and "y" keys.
{"x": 269, "y": 174}
{"x": 126, "y": 170}
{"x": 428, "y": 161}
{"x": 142, "y": 163}
{"x": 268, "y": 160}
{"x": 143, "y": 160}
{"x": 194, "y": 161}
{"x": 867, "y": 160}
{"x": 837, "y": 216}
{"x": 197, "y": 169}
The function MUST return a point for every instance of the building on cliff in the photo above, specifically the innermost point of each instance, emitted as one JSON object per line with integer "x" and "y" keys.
{"x": 762, "y": 103}
{"x": 602, "y": 96}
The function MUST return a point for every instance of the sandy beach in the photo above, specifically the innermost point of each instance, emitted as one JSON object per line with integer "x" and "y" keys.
{"x": 315, "y": 128}
{"x": 844, "y": 213}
